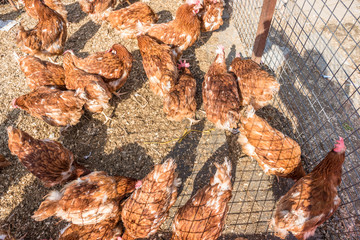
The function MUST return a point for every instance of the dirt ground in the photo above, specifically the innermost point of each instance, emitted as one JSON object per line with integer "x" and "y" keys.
{"x": 137, "y": 137}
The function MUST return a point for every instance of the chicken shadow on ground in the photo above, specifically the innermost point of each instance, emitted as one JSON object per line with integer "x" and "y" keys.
{"x": 227, "y": 13}
{"x": 11, "y": 15}
{"x": 184, "y": 153}
{"x": 208, "y": 170}
{"x": 7, "y": 179}
{"x": 164, "y": 16}
{"x": 33, "y": 195}
{"x": 316, "y": 95}
{"x": 130, "y": 160}
{"x": 87, "y": 140}
{"x": 75, "y": 14}
{"x": 77, "y": 41}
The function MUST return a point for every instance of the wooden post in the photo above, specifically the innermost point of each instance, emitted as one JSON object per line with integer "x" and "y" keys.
{"x": 266, "y": 15}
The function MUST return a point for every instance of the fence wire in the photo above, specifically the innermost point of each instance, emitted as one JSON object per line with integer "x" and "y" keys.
{"x": 313, "y": 48}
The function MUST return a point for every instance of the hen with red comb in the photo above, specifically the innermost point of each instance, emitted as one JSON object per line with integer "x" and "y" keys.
{"x": 313, "y": 199}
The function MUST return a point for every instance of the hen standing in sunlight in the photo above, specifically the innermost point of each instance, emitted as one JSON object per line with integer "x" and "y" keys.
{"x": 97, "y": 94}
{"x": 256, "y": 85}
{"x": 97, "y": 9}
{"x": 147, "y": 207}
{"x": 41, "y": 73}
{"x": 48, "y": 160}
{"x": 105, "y": 230}
{"x": 313, "y": 199}
{"x": 221, "y": 95}
{"x": 203, "y": 216}
{"x": 87, "y": 200}
{"x": 129, "y": 20}
{"x": 56, "y": 107}
{"x": 180, "y": 103}
{"x": 55, "y": 5}
{"x": 211, "y": 15}
{"x": 114, "y": 66}
{"x": 49, "y": 35}
{"x": 159, "y": 64}
{"x": 276, "y": 153}
{"x": 183, "y": 31}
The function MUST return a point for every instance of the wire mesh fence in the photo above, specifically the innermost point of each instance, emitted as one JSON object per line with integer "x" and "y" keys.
{"x": 313, "y": 48}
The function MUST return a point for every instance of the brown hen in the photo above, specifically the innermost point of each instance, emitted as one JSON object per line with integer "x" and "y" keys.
{"x": 182, "y": 32}
{"x": 41, "y": 73}
{"x": 180, "y": 103}
{"x": 221, "y": 94}
{"x": 56, "y": 107}
{"x": 55, "y": 5}
{"x": 257, "y": 86}
{"x": 275, "y": 152}
{"x": 87, "y": 200}
{"x": 48, "y": 160}
{"x": 105, "y": 230}
{"x": 211, "y": 15}
{"x": 203, "y": 215}
{"x": 113, "y": 65}
{"x": 159, "y": 64}
{"x": 147, "y": 207}
{"x": 97, "y": 9}
{"x": 96, "y": 92}
{"x": 131, "y": 19}
{"x": 49, "y": 35}
{"x": 313, "y": 199}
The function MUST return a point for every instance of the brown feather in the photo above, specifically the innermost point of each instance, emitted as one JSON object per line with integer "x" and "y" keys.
{"x": 180, "y": 103}
{"x": 95, "y": 89}
{"x": 182, "y": 32}
{"x": 211, "y": 16}
{"x": 257, "y": 86}
{"x": 56, "y": 107}
{"x": 55, "y": 5}
{"x": 159, "y": 64}
{"x": 88, "y": 200}
{"x": 203, "y": 215}
{"x": 275, "y": 152}
{"x": 97, "y": 8}
{"x": 221, "y": 95}
{"x": 114, "y": 66}
{"x": 49, "y": 35}
{"x": 147, "y": 208}
{"x": 128, "y": 20}
{"x": 311, "y": 201}
{"x": 48, "y": 160}
{"x": 41, "y": 73}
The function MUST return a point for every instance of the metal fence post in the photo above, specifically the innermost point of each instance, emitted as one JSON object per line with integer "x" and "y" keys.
{"x": 267, "y": 13}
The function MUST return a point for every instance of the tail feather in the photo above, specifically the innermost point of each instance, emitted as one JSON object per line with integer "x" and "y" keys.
{"x": 48, "y": 207}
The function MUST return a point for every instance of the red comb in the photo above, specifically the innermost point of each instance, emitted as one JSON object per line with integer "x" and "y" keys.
{"x": 183, "y": 64}
{"x": 138, "y": 184}
{"x": 340, "y": 145}
{"x": 13, "y": 103}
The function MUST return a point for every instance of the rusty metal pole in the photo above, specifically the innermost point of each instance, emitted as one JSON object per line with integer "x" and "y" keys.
{"x": 266, "y": 15}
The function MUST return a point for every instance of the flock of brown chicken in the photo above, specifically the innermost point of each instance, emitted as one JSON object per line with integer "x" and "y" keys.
{"x": 99, "y": 206}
